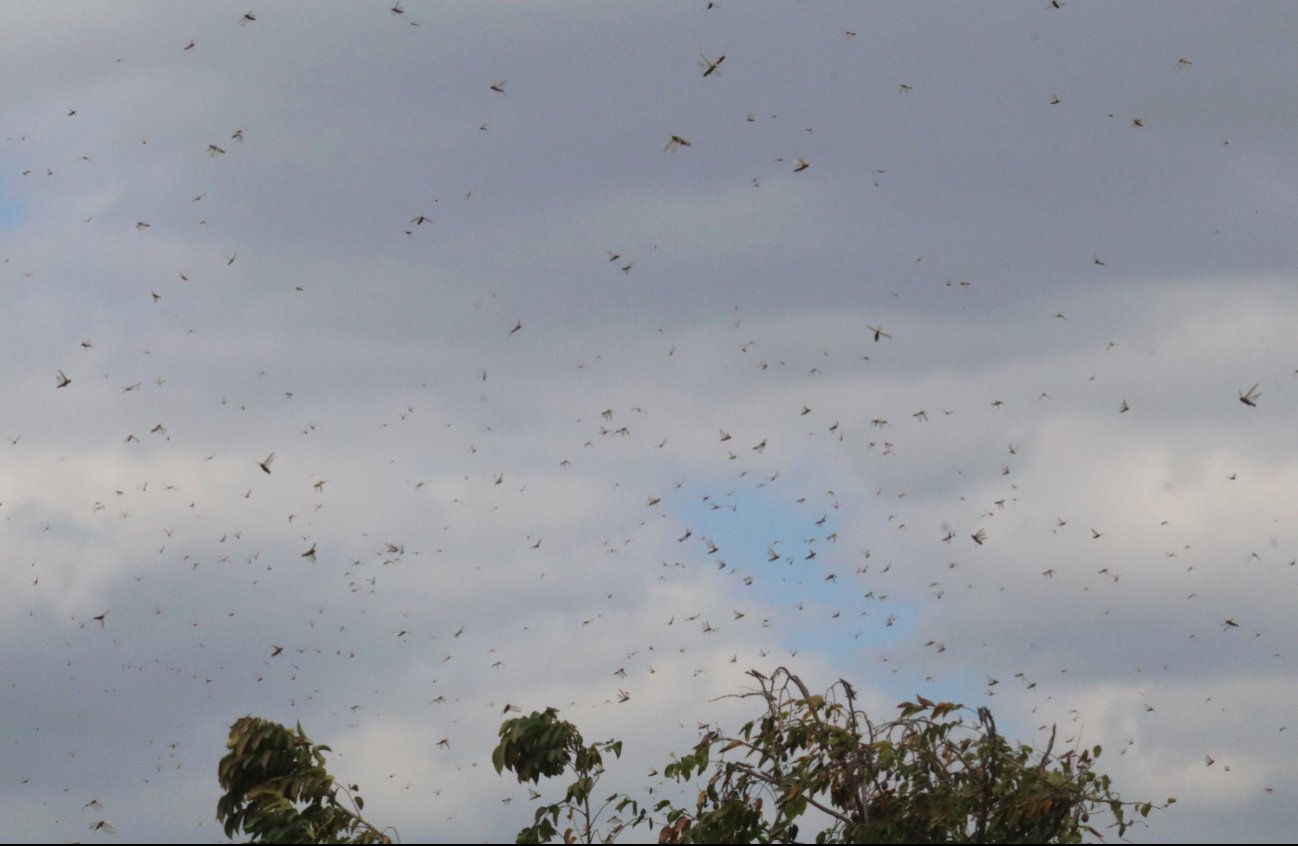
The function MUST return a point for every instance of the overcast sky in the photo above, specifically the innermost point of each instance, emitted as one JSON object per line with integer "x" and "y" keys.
{"x": 923, "y": 272}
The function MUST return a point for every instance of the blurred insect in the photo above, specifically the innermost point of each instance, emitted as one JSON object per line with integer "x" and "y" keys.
{"x": 265, "y": 465}
{"x": 674, "y": 142}
{"x": 1248, "y": 397}
{"x": 710, "y": 67}
{"x": 498, "y": 87}
{"x": 878, "y": 333}
{"x": 248, "y": 18}
{"x": 801, "y": 166}
{"x": 64, "y": 381}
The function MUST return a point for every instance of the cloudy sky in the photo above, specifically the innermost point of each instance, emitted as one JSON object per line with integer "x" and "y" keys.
{"x": 547, "y": 392}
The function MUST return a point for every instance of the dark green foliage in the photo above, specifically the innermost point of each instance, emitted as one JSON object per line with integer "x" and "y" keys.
{"x": 939, "y": 772}
{"x": 541, "y": 744}
{"x": 278, "y": 791}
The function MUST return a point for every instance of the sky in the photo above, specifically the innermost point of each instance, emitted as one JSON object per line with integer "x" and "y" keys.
{"x": 949, "y": 309}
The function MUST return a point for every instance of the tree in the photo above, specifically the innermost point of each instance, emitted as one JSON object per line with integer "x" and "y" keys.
{"x": 939, "y": 772}
{"x": 268, "y": 773}
{"x": 541, "y": 744}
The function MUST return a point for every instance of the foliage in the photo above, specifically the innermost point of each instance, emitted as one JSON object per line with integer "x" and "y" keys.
{"x": 278, "y": 791}
{"x": 939, "y": 772}
{"x": 541, "y": 744}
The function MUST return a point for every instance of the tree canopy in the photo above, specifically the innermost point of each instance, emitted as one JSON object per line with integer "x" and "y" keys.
{"x": 278, "y": 791}
{"x": 937, "y": 772}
